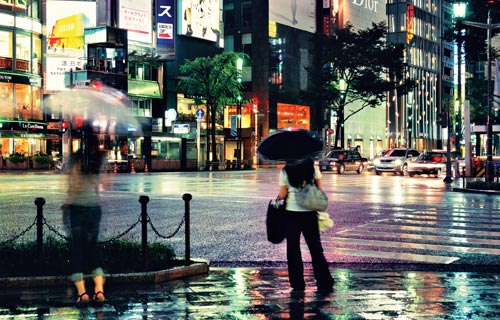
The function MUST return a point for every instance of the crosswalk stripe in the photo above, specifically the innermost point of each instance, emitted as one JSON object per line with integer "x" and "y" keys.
{"x": 479, "y": 241}
{"x": 395, "y": 255}
{"x": 434, "y": 230}
{"x": 431, "y": 217}
{"x": 451, "y": 225}
{"x": 412, "y": 245}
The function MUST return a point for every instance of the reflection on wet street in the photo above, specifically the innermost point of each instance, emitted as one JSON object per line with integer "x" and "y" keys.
{"x": 240, "y": 293}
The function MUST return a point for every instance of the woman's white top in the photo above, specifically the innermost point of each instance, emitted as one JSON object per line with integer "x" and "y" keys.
{"x": 291, "y": 202}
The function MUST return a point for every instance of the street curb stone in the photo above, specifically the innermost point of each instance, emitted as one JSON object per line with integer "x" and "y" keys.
{"x": 196, "y": 268}
{"x": 490, "y": 192}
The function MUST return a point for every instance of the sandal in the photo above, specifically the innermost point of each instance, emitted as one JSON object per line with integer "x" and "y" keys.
{"x": 80, "y": 301}
{"x": 99, "y": 296}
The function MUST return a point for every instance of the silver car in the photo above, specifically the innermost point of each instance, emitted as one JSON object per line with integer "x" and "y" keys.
{"x": 395, "y": 161}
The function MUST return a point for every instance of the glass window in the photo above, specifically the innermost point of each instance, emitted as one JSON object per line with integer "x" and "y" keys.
{"x": 6, "y": 100}
{"x": 229, "y": 16}
{"x": 229, "y": 43}
{"x": 23, "y": 52}
{"x": 5, "y": 46}
{"x": 246, "y": 13}
{"x": 246, "y": 42}
{"x": 36, "y": 58}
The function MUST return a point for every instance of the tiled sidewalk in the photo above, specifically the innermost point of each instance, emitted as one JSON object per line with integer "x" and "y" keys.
{"x": 248, "y": 293}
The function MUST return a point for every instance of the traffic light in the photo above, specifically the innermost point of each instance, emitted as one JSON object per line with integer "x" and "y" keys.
{"x": 63, "y": 126}
{"x": 442, "y": 120}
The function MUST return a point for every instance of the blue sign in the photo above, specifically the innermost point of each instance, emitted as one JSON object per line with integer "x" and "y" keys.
{"x": 165, "y": 29}
{"x": 200, "y": 113}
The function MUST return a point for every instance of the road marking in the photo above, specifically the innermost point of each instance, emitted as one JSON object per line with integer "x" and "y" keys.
{"x": 395, "y": 255}
{"x": 420, "y": 237}
{"x": 413, "y": 245}
{"x": 435, "y": 230}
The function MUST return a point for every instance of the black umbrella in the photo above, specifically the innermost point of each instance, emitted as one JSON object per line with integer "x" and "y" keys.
{"x": 290, "y": 145}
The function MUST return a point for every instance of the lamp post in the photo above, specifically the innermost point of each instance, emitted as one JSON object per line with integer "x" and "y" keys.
{"x": 340, "y": 119}
{"x": 239, "y": 102}
{"x": 448, "y": 178}
{"x": 489, "y": 176}
{"x": 409, "y": 102}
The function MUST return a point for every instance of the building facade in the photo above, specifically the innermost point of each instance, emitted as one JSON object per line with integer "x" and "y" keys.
{"x": 413, "y": 119}
{"x": 22, "y": 126}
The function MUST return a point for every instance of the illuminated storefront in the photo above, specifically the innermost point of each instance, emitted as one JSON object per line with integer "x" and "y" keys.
{"x": 22, "y": 126}
{"x": 293, "y": 116}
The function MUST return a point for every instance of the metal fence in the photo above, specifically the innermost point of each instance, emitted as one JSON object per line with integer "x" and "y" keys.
{"x": 144, "y": 220}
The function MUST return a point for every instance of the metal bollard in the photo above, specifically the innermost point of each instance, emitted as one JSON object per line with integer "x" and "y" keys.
{"x": 463, "y": 178}
{"x": 187, "y": 198}
{"x": 39, "y": 230}
{"x": 144, "y": 222}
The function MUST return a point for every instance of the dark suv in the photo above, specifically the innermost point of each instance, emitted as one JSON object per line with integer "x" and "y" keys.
{"x": 343, "y": 160}
{"x": 395, "y": 161}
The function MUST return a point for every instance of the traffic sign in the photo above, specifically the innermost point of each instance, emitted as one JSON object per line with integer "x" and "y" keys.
{"x": 200, "y": 113}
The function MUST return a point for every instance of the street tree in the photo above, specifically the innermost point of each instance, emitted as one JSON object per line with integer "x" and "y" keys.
{"x": 357, "y": 69}
{"x": 214, "y": 82}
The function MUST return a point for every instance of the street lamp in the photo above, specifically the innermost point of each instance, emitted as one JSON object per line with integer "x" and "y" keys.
{"x": 489, "y": 176}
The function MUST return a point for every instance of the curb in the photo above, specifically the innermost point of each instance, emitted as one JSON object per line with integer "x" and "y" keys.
{"x": 196, "y": 268}
{"x": 466, "y": 190}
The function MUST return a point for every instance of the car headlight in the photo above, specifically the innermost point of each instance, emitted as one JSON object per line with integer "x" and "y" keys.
{"x": 398, "y": 162}
{"x": 376, "y": 162}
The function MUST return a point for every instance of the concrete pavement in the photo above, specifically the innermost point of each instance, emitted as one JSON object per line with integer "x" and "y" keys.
{"x": 263, "y": 293}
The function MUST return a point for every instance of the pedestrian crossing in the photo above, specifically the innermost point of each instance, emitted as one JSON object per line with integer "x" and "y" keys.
{"x": 438, "y": 235}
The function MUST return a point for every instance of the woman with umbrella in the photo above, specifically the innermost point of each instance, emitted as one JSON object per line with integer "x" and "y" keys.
{"x": 298, "y": 148}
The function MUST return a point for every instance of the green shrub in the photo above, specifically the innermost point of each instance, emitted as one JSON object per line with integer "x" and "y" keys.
{"x": 42, "y": 159}
{"x": 120, "y": 256}
{"x": 483, "y": 185}
{"x": 17, "y": 158}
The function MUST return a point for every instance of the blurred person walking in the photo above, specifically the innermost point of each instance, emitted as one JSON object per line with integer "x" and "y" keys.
{"x": 299, "y": 221}
{"x": 82, "y": 212}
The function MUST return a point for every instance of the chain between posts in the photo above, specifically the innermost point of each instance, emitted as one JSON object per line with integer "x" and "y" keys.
{"x": 145, "y": 219}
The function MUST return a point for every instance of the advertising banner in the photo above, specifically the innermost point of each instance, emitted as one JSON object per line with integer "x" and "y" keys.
{"x": 200, "y": 19}
{"x": 135, "y": 16}
{"x": 299, "y": 14}
{"x": 165, "y": 13}
{"x": 66, "y": 21}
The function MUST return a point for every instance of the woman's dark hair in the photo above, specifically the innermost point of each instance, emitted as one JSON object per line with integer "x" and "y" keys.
{"x": 301, "y": 172}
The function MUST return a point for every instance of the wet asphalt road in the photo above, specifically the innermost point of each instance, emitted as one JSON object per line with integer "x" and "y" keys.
{"x": 379, "y": 220}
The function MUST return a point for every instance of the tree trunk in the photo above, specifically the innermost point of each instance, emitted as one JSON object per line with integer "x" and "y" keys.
{"x": 214, "y": 144}
{"x": 207, "y": 160}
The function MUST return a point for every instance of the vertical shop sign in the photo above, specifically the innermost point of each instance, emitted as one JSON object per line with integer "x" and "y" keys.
{"x": 410, "y": 16}
{"x": 165, "y": 29}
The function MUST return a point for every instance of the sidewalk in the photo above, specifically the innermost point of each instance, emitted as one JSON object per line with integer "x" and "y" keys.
{"x": 263, "y": 293}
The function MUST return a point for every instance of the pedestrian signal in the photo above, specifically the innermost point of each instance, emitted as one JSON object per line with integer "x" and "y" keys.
{"x": 63, "y": 126}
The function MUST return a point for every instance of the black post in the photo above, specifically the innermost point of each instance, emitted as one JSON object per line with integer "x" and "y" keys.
{"x": 144, "y": 222}
{"x": 187, "y": 198}
{"x": 39, "y": 202}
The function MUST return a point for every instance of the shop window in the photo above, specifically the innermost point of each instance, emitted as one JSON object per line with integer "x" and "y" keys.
{"x": 6, "y": 100}
{"x": 23, "y": 101}
{"x": 293, "y": 116}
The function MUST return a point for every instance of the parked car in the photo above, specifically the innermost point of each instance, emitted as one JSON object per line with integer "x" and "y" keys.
{"x": 395, "y": 161}
{"x": 429, "y": 162}
{"x": 343, "y": 160}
